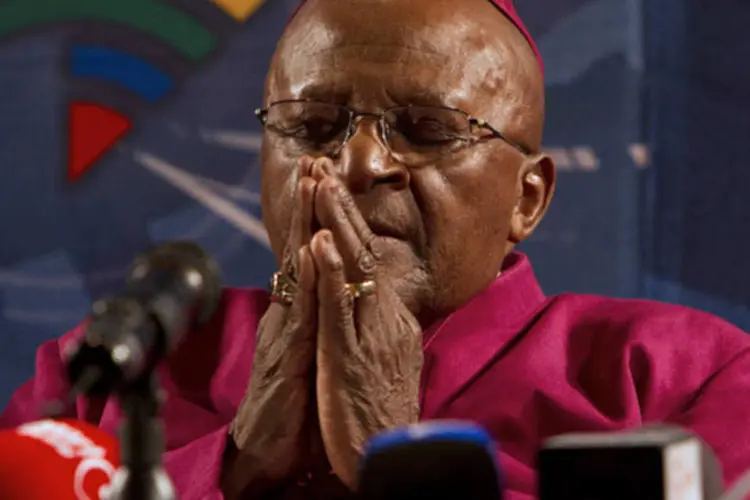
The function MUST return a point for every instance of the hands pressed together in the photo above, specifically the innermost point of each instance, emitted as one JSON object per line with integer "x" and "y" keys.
{"x": 330, "y": 369}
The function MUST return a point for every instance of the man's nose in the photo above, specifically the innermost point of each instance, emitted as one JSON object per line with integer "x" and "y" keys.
{"x": 365, "y": 161}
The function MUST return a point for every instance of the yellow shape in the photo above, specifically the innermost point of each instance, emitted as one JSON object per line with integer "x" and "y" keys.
{"x": 240, "y": 10}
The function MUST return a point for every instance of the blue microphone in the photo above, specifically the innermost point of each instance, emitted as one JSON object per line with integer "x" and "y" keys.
{"x": 449, "y": 459}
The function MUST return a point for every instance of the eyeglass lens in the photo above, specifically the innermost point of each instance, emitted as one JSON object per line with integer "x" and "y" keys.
{"x": 414, "y": 133}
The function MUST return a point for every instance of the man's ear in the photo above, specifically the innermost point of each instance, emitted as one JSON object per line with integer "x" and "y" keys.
{"x": 536, "y": 185}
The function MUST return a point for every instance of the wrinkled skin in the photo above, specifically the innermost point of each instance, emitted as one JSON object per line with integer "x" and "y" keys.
{"x": 432, "y": 237}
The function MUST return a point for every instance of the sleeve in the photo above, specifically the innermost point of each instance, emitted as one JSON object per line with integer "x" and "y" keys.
{"x": 196, "y": 467}
{"x": 48, "y": 384}
{"x": 720, "y": 412}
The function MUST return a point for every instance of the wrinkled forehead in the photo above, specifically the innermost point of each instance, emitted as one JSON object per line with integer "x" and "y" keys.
{"x": 506, "y": 7}
{"x": 424, "y": 50}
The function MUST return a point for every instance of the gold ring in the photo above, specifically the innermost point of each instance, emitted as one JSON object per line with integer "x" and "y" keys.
{"x": 283, "y": 288}
{"x": 361, "y": 289}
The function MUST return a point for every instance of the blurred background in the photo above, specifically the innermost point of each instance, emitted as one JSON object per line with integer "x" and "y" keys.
{"x": 129, "y": 122}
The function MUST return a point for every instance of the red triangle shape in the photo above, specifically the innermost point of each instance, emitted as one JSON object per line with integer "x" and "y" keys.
{"x": 93, "y": 130}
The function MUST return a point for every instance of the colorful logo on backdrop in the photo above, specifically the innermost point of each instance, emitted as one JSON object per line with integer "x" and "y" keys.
{"x": 94, "y": 128}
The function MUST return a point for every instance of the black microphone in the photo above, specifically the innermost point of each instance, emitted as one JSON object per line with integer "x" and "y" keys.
{"x": 171, "y": 289}
{"x": 451, "y": 460}
{"x": 651, "y": 463}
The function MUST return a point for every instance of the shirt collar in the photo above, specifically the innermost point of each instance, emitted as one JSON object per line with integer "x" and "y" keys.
{"x": 460, "y": 345}
{"x": 505, "y": 304}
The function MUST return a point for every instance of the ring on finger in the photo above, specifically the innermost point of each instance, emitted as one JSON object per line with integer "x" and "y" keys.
{"x": 283, "y": 288}
{"x": 361, "y": 289}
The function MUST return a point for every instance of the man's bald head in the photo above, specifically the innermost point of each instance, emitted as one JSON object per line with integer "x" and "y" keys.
{"x": 474, "y": 32}
{"x": 508, "y": 8}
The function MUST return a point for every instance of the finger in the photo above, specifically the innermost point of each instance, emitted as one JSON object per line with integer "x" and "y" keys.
{"x": 304, "y": 164}
{"x": 306, "y": 210}
{"x": 298, "y": 334}
{"x": 358, "y": 261}
{"x": 356, "y": 220}
{"x": 367, "y": 307}
{"x": 302, "y": 218}
{"x": 304, "y": 306}
{"x": 367, "y": 311}
{"x": 308, "y": 276}
{"x": 335, "y": 305}
{"x": 321, "y": 168}
{"x": 304, "y": 167}
{"x": 304, "y": 198}
{"x": 297, "y": 320}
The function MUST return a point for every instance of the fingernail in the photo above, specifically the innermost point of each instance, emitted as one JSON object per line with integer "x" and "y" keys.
{"x": 304, "y": 165}
{"x": 328, "y": 166}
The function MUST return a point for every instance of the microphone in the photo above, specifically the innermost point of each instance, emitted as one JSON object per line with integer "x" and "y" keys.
{"x": 57, "y": 459}
{"x": 446, "y": 459}
{"x": 171, "y": 289}
{"x": 651, "y": 463}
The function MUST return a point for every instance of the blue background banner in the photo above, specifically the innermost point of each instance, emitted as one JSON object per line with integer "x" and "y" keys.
{"x": 622, "y": 81}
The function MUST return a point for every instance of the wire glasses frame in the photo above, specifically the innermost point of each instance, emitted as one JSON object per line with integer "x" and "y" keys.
{"x": 442, "y": 130}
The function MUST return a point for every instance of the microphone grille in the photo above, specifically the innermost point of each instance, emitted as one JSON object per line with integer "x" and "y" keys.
{"x": 198, "y": 270}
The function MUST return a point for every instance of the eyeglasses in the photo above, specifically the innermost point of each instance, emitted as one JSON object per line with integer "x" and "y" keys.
{"x": 414, "y": 135}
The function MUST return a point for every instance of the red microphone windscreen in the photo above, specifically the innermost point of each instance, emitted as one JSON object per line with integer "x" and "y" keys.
{"x": 57, "y": 459}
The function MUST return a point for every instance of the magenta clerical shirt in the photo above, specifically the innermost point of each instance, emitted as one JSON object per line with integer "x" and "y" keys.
{"x": 525, "y": 366}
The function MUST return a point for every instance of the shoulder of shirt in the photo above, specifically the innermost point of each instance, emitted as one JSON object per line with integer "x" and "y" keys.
{"x": 649, "y": 321}
{"x": 636, "y": 311}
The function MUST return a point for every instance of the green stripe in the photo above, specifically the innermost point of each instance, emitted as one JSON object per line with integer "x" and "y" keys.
{"x": 170, "y": 25}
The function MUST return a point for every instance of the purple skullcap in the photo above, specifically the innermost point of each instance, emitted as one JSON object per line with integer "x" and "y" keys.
{"x": 507, "y": 8}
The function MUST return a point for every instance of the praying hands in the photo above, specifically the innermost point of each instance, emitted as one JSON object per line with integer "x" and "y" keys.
{"x": 337, "y": 321}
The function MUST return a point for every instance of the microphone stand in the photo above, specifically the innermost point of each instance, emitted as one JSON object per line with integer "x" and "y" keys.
{"x": 170, "y": 288}
{"x": 141, "y": 475}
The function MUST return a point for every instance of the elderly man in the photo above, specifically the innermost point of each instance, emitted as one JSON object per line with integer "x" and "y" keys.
{"x": 402, "y": 164}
